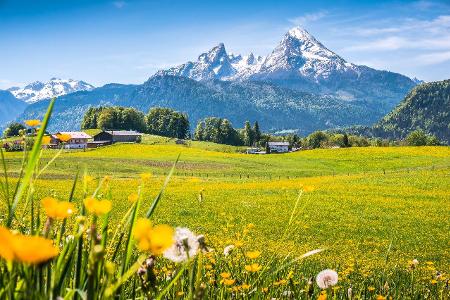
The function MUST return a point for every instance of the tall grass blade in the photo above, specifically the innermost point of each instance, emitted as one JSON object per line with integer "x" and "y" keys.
{"x": 31, "y": 163}
{"x": 166, "y": 182}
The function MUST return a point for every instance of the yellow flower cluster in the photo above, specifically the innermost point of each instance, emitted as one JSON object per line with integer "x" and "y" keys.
{"x": 32, "y": 123}
{"x": 24, "y": 248}
{"x": 155, "y": 239}
{"x": 58, "y": 210}
{"x": 97, "y": 207}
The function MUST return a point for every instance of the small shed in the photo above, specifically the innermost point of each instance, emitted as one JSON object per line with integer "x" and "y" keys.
{"x": 118, "y": 136}
{"x": 278, "y": 147}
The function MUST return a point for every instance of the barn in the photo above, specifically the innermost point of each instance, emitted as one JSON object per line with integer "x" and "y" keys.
{"x": 118, "y": 136}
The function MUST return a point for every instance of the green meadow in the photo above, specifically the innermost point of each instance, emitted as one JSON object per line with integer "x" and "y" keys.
{"x": 370, "y": 210}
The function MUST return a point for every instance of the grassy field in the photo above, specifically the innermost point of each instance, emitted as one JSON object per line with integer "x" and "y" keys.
{"x": 371, "y": 209}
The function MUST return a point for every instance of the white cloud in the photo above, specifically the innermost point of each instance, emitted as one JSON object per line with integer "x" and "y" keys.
{"x": 433, "y": 58}
{"x": 308, "y": 18}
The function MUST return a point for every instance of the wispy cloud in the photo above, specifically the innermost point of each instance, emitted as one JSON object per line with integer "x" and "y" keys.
{"x": 119, "y": 4}
{"x": 308, "y": 18}
{"x": 409, "y": 33}
{"x": 433, "y": 58}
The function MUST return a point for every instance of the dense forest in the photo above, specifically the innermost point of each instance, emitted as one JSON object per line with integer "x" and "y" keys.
{"x": 426, "y": 108}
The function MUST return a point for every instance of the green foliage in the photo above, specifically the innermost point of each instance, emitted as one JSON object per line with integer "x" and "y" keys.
{"x": 14, "y": 129}
{"x": 217, "y": 130}
{"x": 167, "y": 122}
{"x": 113, "y": 118}
{"x": 425, "y": 108}
{"x": 419, "y": 138}
{"x": 247, "y": 134}
{"x": 317, "y": 139}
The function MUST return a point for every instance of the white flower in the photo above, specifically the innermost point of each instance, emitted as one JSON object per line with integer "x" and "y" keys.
{"x": 228, "y": 249}
{"x": 327, "y": 278}
{"x": 185, "y": 245}
{"x": 415, "y": 262}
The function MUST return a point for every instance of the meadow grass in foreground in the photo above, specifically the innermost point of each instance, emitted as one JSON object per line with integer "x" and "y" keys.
{"x": 379, "y": 219}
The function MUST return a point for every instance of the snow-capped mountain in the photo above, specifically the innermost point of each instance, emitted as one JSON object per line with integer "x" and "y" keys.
{"x": 55, "y": 87}
{"x": 217, "y": 64}
{"x": 302, "y": 63}
{"x": 300, "y": 54}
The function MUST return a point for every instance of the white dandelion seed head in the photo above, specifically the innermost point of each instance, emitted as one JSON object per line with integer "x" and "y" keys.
{"x": 415, "y": 262}
{"x": 185, "y": 245}
{"x": 327, "y": 278}
{"x": 228, "y": 249}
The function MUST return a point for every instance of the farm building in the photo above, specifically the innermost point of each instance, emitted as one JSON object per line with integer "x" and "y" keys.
{"x": 278, "y": 147}
{"x": 118, "y": 136}
{"x": 78, "y": 139}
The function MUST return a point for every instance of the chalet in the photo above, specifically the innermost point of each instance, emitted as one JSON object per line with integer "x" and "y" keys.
{"x": 78, "y": 139}
{"x": 118, "y": 136}
{"x": 278, "y": 147}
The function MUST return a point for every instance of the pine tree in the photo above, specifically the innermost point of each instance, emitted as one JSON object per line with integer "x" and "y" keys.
{"x": 248, "y": 134}
{"x": 256, "y": 133}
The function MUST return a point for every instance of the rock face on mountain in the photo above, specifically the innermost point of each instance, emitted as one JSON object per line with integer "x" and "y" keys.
{"x": 55, "y": 87}
{"x": 300, "y": 62}
{"x": 10, "y": 107}
{"x": 426, "y": 107}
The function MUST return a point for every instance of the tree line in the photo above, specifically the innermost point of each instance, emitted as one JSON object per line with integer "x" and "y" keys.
{"x": 158, "y": 121}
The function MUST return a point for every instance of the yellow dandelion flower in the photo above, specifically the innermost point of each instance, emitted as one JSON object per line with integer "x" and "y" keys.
{"x": 253, "y": 267}
{"x": 97, "y": 207}
{"x": 322, "y": 297}
{"x": 155, "y": 239}
{"x": 381, "y": 297}
{"x": 371, "y": 289}
{"x": 228, "y": 281}
{"x": 63, "y": 137}
{"x": 26, "y": 249}
{"x": 264, "y": 290}
{"x": 308, "y": 189}
{"x": 57, "y": 209}
{"x": 239, "y": 244}
{"x": 133, "y": 197}
{"x": 46, "y": 140}
{"x": 146, "y": 176}
{"x": 253, "y": 254}
{"x": 88, "y": 178}
{"x": 433, "y": 281}
{"x": 245, "y": 286}
{"x": 32, "y": 123}
{"x": 225, "y": 275}
{"x": 251, "y": 226}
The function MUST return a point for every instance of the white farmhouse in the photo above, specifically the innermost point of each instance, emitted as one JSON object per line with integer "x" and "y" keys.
{"x": 278, "y": 147}
{"x": 78, "y": 139}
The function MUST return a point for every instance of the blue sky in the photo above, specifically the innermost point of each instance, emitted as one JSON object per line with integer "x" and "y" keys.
{"x": 127, "y": 41}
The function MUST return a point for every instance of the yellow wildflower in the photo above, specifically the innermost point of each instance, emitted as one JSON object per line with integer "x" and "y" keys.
{"x": 155, "y": 239}
{"x": 265, "y": 290}
{"x": 381, "y": 297}
{"x": 97, "y": 207}
{"x": 245, "y": 286}
{"x": 180, "y": 293}
{"x": 433, "y": 281}
{"x": 26, "y": 249}
{"x": 32, "y": 123}
{"x": 146, "y": 176}
{"x": 64, "y": 137}
{"x": 238, "y": 244}
{"x": 253, "y": 254}
{"x": 225, "y": 275}
{"x": 46, "y": 140}
{"x": 308, "y": 189}
{"x": 133, "y": 197}
{"x": 371, "y": 289}
{"x": 228, "y": 281}
{"x": 253, "y": 267}
{"x": 57, "y": 209}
